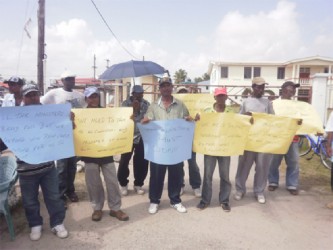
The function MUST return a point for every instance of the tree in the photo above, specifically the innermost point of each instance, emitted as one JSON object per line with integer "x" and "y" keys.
{"x": 180, "y": 76}
{"x": 204, "y": 77}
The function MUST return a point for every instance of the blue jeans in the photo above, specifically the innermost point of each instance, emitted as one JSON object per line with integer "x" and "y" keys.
{"x": 48, "y": 181}
{"x": 194, "y": 172}
{"x": 156, "y": 182}
{"x": 225, "y": 184}
{"x": 66, "y": 173}
{"x": 292, "y": 173}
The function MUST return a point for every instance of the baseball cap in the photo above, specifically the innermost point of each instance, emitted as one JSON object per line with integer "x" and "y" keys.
{"x": 165, "y": 79}
{"x": 137, "y": 89}
{"x": 220, "y": 91}
{"x": 15, "y": 79}
{"x": 290, "y": 83}
{"x": 29, "y": 87}
{"x": 90, "y": 90}
{"x": 67, "y": 74}
{"x": 258, "y": 81}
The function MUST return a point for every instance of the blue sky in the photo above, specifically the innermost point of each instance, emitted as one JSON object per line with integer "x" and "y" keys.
{"x": 177, "y": 34}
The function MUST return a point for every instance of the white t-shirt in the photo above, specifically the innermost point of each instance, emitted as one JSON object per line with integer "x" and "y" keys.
{"x": 61, "y": 96}
{"x": 9, "y": 101}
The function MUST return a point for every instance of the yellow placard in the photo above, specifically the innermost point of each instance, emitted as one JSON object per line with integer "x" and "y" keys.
{"x": 311, "y": 122}
{"x": 196, "y": 103}
{"x": 103, "y": 132}
{"x": 271, "y": 133}
{"x": 221, "y": 134}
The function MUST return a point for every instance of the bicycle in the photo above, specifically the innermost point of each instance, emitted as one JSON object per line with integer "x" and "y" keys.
{"x": 317, "y": 144}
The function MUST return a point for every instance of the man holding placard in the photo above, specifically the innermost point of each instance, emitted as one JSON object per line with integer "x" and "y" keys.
{"x": 166, "y": 108}
{"x": 255, "y": 103}
{"x": 291, "y": 158}
{"x": 66, "y": 167}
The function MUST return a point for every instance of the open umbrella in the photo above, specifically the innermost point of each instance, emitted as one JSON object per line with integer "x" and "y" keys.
{"x": 131, "y": 69}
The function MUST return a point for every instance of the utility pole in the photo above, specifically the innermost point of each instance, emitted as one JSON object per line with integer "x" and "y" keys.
{"x": 107, "y": 63}
{"x": 41, "y": 45}
{"x": 94, "y": 67}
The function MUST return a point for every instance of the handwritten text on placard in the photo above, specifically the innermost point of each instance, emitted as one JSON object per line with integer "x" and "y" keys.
{"x": 271, "y": 133}
{"x": 221, "y": 134}
{"x": 103, "y": 132}
{"x": 167, "y": 141}
{"x": 38, "y": 133}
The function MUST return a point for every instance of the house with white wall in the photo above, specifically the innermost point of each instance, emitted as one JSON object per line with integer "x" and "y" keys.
{"x": 237, "y": 76}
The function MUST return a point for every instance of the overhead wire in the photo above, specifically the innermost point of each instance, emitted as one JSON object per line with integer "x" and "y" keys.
{"x": 114, "y": 35}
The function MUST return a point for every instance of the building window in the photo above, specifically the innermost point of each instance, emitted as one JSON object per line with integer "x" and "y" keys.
{"x": 224, "y": 72}
{"x": 304, "y": 70}
{"x": 247, "y": 73}
{"x": 256, "y": 71}
{"x": 326, "y": 70}
{"x": 281, "y": 72}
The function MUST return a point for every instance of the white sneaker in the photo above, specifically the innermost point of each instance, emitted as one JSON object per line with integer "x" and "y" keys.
{"x": 261, "y": 199}
{"x": 139, "y": 190}
{"x": 60, "y": 231}
{"x": 123, "y": 191}
{"x": 197, "y": 192}
{"x": 181, "y": 191}
{"x": 36, "y": 232}
{"x": 179, "y": 207}
{"x": 238, "y": 196}
{"x": 153, "y": 208}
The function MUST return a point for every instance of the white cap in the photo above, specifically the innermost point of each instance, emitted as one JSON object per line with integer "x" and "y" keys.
{"x": 67, "y": 74}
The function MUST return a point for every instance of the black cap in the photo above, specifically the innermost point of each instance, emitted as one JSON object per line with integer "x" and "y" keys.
{"x": 15, "y": 79}
{"x": 165, "y": 80}
{"x": 290, "y": 83}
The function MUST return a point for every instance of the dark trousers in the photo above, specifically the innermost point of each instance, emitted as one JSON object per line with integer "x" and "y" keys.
{"x": 140, "y": 166}
{"x": 66, "y": 173}
{"x": 156, "y": 182}
{"x": 332, "y": 176}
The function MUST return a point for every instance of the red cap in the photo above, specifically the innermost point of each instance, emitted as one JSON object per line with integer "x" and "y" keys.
{"x": 220, "y": 91}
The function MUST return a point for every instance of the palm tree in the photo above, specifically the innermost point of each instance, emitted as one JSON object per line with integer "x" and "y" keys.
{"x": 180, "y": 76}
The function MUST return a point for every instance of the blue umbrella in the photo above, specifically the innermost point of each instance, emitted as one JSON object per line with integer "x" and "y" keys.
{"x": 131, "y": 69}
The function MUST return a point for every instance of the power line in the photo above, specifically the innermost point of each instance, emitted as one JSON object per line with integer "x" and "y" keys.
{"x": 114, "y": 35}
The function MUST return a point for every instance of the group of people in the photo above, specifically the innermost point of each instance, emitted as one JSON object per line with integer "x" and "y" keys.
{"x": 57, "y": 179}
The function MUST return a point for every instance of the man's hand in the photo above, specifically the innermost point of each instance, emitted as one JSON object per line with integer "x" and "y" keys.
{"x": 197, "y": 117}
{"x": 72, "y": 117}
{"x": 136, "y": 106}
{"x": 145, "y": 120}
{"x": 188, "y": 118}
{"x": 299, "y": 122}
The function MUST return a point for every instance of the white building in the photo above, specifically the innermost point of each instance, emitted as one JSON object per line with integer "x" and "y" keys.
{"x": 237, "y": 77}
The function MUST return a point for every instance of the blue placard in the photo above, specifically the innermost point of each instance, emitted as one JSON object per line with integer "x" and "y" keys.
{"x": 38, "y": 133}
{"x": 167, "y": 142}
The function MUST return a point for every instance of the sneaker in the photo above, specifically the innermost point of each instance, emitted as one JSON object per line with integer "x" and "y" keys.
{"x": 197, "y": 192}
{"x": 139, "y": 190}
{"x": 261, "y": 199}
{"x": 238, "y": 196}
{"x": 97, "y": 215}
{"x": 179, "y": 207}
{"x": 153, "y": 208}
{"x": 202, "y": 205}
{"x": 36, "y": 232}
{"x": 181, "y": 191}
{"x": 226, "y": 207}
{"x": 60, "y": 231}
{"x": 123, "y": 190}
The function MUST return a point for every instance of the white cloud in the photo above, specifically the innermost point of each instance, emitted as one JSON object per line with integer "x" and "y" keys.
{"x": 273, "y": 35}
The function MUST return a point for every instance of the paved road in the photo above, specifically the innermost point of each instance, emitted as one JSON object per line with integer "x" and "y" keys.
{"x": 284, "y": 222}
